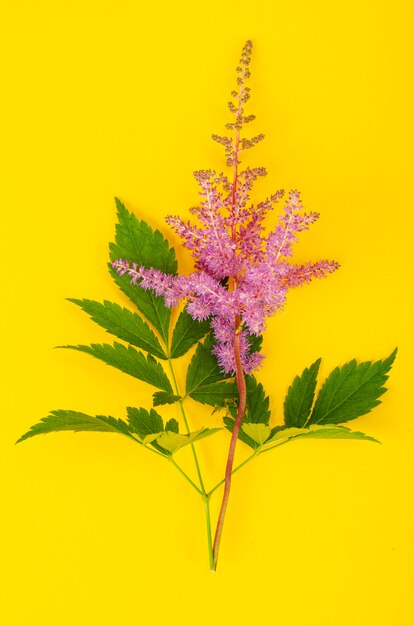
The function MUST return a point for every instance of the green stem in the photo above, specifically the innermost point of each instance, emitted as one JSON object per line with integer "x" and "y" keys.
{"x": 146, "y": 447}
{"x": 186, "y": 425}
{"x": 201, "y": 491}
{"x": 277, "y": 445}
{"x": 182, "y": 472}
{"x": 209, "y": 538}
{"x": 236, "y": 469}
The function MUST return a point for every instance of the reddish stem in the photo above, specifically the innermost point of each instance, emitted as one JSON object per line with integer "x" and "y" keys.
{"x": 241, "y": 382}
{"x": 241, "y": 385}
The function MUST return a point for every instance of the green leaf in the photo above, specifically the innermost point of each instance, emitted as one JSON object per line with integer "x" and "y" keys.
{"x": 172, "y": 425}
{"x": 255, "y": 342}
{"x": 150, "y": 305}
{"x": 164, "y": 397}
{"x": 172, "y": 441}
{"x": 122, "y": 323}
{"x": 149, "y": 439}
{"x": 257, "y": 403}
{"x": 299, "y": 398}
{"x": 202, "y": 374}
{"x": 229, "y": 424}
{"x": 315, "y": 431}
{"x": 258, "y": 432}
{"x": 203, "y": 368}
{"x": 351, "y": 391}
{"x": 255, "y": 427}
{"x": 335, "y": 432}
{"x": 136, "y": 237}
{"x": 130, "y": 361}
{"x": 187, "y": 332}
{"x": 148, "y": 425}
{"x": 135, "y": 241}
{"x": 285, "y": 433}
{"x": 75, "y": 421}
{"x": 215, "y": 394}
{"x": 143, "y": 422}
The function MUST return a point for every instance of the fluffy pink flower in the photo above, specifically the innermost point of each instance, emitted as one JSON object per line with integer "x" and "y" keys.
{"x": 242, "y": 276}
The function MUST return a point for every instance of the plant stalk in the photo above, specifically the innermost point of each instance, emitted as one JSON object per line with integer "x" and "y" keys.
{"x": 241, "y": 385}
{"x": 201, "y": 491}
{"x": 209, "y": 540}
{"x": 180, "y": 402}
{"x": 236, "y": 469}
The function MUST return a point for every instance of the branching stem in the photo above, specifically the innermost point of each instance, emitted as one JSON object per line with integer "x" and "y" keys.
{"x": 202, "y": 490}
{"x": 183, "y": 473}
{"x": 180, "y": 402}
{"x": 236, "y": 469}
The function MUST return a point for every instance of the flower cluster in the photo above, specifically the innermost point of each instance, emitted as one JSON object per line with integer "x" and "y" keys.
{"x": 242, "y": 276}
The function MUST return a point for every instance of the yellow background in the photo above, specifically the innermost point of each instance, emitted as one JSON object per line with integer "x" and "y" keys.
{"x": 103, "y": 99}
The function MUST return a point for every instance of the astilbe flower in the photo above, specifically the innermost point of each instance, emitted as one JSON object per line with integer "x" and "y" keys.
{"x": 241, "y": 276}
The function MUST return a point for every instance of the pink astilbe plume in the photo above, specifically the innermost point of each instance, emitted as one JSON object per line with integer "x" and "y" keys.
{"x": 242, "y": 276}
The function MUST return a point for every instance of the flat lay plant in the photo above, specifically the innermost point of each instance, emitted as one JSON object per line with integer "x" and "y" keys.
{"x": 242, "y": 275}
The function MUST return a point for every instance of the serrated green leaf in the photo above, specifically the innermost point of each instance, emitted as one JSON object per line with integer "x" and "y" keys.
{"x": 143, "y": 422}
{"x": 148, "y": 439}
{"x": 316, "y": 431}
{"x": 255, "y": 342}
{"x": 203, "y": 433}
{"x": 299, "y": 398}
{"x": 135, "y": 241}
{"x": 285, "y": 433}
{"x": 130, "y": 361}
{"x": 258, "y": 432}
{"x": 332, "y": 431}
{"x": 257, "y": 414}
{"x": 229, "y": 424}
{"x": 215, "y": 394}
{"x": 122, "y": 323}
{"x": 203, "y": 368}
{"x": 172, "y": 441}
{"x": 75, "y": 421}
{"x": 172, "y": 425}
{"x": 150, "y": 305}
{"x": 351, "y": 391}
{"x": 187, "y": 332}
{"x": 257, "y": 403}
{"x": 149, "y": 246}
{"x": 202, "y": 374}
{"x": 164, "y": 397}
